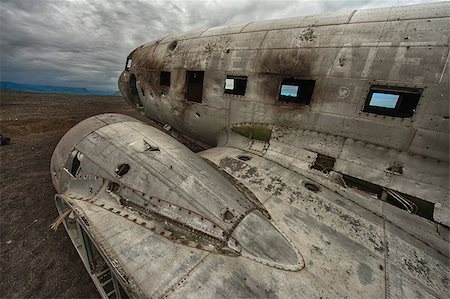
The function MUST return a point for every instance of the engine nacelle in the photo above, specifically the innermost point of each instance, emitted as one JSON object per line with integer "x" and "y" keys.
{"x": 129, "y": 168}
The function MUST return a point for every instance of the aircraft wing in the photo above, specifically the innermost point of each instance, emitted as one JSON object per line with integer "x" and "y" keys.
{"x": 153, "y": 219}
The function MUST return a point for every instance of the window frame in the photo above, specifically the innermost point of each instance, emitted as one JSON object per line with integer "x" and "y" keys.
{"x": 234, "y": 91}
{"x": 187, "y": 89}
{"x": 127, "y": 68}
{"x": 161, "y": 79}
{"x": 298, "y": 100}
{"x": 402, "y": 92}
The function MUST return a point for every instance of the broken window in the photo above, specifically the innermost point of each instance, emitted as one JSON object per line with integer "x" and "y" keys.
{"x": 75, "y": 165}
{"x": 235, "y": 85}
{"x": 194, "y": 81}
{"x": 324, "y": 163}
{"x": 128, "y": 64}
{"x": 403, "y": 201}
{"x": 296, "y": 91}
{"x": 362, "y": 185}
{"x": 412, "y": 204}
{"x": 134, "y": 93}
{"x": 392, "y": 101}
{"x": 164, "y": 79}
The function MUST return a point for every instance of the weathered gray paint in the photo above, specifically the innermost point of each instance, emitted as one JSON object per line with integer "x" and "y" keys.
{"x": 329, "y": 243}
{"x": 285, "y": 240}
{"x": 345, "y": 53}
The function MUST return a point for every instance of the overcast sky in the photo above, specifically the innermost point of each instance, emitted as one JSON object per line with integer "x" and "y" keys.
{"x": 84, "y": 43}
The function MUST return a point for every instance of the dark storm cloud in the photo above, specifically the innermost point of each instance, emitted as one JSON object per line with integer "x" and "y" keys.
{"x": 85, "y": 43}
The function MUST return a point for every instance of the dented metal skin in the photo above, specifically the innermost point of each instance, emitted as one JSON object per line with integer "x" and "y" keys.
{"x": 256, "y": 214}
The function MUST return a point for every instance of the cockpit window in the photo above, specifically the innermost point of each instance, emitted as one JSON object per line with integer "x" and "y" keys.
{"x": 128, "y": 64}
{"x": 235, "y": 85}
{"x": 164, "y": 79}
{"x": 392, "y": 101}
{"x": 296, "y": 91}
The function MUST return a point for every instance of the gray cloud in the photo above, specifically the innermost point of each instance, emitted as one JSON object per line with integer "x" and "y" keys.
{"x": 84, "y": 43}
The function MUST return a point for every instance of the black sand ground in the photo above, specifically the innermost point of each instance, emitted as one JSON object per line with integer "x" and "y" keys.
{"x": 35, "y": 261}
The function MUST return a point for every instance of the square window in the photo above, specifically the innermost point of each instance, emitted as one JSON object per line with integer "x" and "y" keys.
{"x": 194, "y": 80}
{"x": 392, "y": 101}
{"x": 229, "y": 84}
{"x": 384, "y": 100}
{"x": 235, "y": 85}
{"x": 164, "y": 79}
{"x": 289, "y": 91}
{"x": 296, "y": 91}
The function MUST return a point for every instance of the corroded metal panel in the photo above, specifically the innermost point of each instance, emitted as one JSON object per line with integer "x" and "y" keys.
{"x": 151, "y": 267}
{"x": 306, "y": 62}
{"x": 419, "y": 11}
{"x": 361, "y": 34}
{"x": 431, "y": 184}
{"x": 434, "y": 110}
{"x": 224, "y": 30}
{"x": 427, "y": 142}
{"x": 374, "y": 132}
{"x": 221, "y": 42}
{"x": 316, "y": 142}
{"x": 416, "y": 32}
{"x": 434, "y": 173}
{"x": 304, "y": 37}
{"x": 413, "y": 262}
{"x": 300, "y": 22}
{"x": 416, "y": 64}
{"x": 425, "y": 10}
{"x": 424, "y": 272}
{"x": 183, "y": 36}
{"x": 339, "y": 96}
{"x": 311, "y": 225}
{"x": 380, "y": 14}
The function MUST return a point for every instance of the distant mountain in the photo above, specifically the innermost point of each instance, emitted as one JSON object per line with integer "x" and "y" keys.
{"x": 54, "y": 89}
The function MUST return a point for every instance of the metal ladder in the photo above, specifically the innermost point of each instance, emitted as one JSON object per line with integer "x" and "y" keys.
{"x": 109, "y": 284}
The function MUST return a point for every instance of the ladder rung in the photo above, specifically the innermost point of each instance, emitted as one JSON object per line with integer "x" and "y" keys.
{"x": 110, "y": 293}
{"x": 106, "y": 282}
{"x": 103, "y": 272}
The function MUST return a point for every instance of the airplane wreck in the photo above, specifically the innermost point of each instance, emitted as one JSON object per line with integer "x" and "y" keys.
{"x": 322, "y": 169}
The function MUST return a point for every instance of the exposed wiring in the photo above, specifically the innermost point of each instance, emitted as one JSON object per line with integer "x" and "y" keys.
{"x": 409, "y": 205}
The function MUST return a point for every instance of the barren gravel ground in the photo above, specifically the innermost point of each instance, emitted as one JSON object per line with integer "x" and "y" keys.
{"x": 35, "y": 261}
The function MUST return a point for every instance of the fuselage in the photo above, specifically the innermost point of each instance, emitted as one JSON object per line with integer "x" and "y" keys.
{"x": 369, "y": 89}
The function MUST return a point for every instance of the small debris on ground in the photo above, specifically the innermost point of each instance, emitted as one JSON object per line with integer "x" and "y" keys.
{"x": 4, "y": 140}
